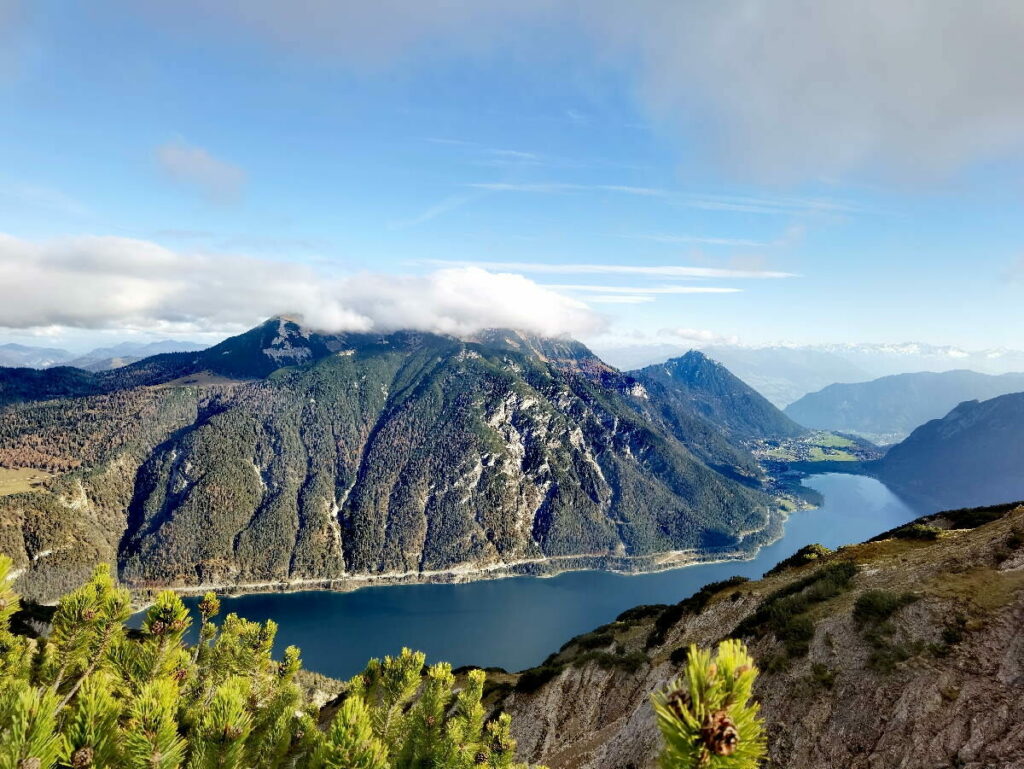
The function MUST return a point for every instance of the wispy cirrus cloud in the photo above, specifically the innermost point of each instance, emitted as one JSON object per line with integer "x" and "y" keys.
{"x": 635, "y": 294}
{"x": 657, "y": 271}
{"x": 187, "y": 164}
{"x": 698, "y": 239}
{"x": 451, "y": 203}
{"x": 620, "y": 299}
{"x": 42, "y": 198}
{"x": 670, "y": 289}
{"x": 698, "y": 336}
{"x": 559, "y": 187}
{"x": 780, "y": 206}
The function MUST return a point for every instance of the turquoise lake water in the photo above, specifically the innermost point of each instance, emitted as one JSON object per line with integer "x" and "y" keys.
{"x": 515, "y": 623}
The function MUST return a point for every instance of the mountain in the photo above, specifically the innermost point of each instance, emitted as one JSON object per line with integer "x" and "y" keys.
{"x": 779, "y": 373}
{"x": 695, "y": 384}
{"x": 886, "y": 410}
{"x": 22, "y": 356}
{"x": 784, "y": 373}
{"x": 288, "y": 456}
{"x": 972, "y": 456}
{"x": 105, "y": 358}
{"x": 903, "y": 651}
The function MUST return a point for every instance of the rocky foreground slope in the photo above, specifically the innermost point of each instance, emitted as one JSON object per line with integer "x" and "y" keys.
{"x": 907, "y": 651}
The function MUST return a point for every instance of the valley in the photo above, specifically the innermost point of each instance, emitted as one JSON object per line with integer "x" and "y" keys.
{"x": 480, "y": 622}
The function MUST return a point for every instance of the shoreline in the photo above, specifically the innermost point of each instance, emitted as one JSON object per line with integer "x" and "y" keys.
{"x": 541, "y": 567}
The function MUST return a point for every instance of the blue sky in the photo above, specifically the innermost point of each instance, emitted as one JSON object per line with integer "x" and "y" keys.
{"x": 782, "y": 191}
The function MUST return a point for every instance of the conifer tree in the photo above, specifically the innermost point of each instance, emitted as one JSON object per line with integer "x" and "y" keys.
{"x": 91, "y": 695}
{"x": 706, "y": 717}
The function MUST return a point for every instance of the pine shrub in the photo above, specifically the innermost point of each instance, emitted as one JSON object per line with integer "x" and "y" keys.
{"x": 92, "y": 695}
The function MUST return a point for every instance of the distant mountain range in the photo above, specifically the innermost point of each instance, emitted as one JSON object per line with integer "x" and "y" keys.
{"x": 99, "y": 359}
{"x": 784, "y": 373}
{"x": 886, "y": 410}
{"x": 974, "y": 455}
{"x": 287, "y": 456}
{"x": 32, "y": 357}
{"x": 106, "y": 358}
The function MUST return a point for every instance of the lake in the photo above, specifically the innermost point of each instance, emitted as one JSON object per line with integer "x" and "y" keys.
{"x": 515, "y": 623}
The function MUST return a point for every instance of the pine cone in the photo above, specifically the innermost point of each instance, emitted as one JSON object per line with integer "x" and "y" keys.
{"x": 30, "y": 763}
{"x": 209, "y": 608}
{"x": 82, "y": 758}
{"x": 480, "y": 757}
{"x": 719, "y": 733}
{"x": 677, "y": 702}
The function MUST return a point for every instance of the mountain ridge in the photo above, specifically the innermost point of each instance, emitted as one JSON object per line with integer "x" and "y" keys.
{"x": 286, "y": 454}
{"x": 706, "y": 386}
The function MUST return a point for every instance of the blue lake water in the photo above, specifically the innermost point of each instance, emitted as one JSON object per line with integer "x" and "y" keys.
{"x": 515, "y": 623}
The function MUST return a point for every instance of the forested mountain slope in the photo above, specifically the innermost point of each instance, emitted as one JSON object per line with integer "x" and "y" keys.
{"x": 972, "y": 456}
{"x": 285, "y": 455}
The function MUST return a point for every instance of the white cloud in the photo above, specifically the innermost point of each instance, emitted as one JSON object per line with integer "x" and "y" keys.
{"x": 217, "y": 179}
{"x": 110, "y": 282}
{"x": 796, "y": 88}
{"x": 663, "y": 271}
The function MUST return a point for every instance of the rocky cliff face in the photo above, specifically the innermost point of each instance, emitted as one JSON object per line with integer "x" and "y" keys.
{"x": 915, "y": 661}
